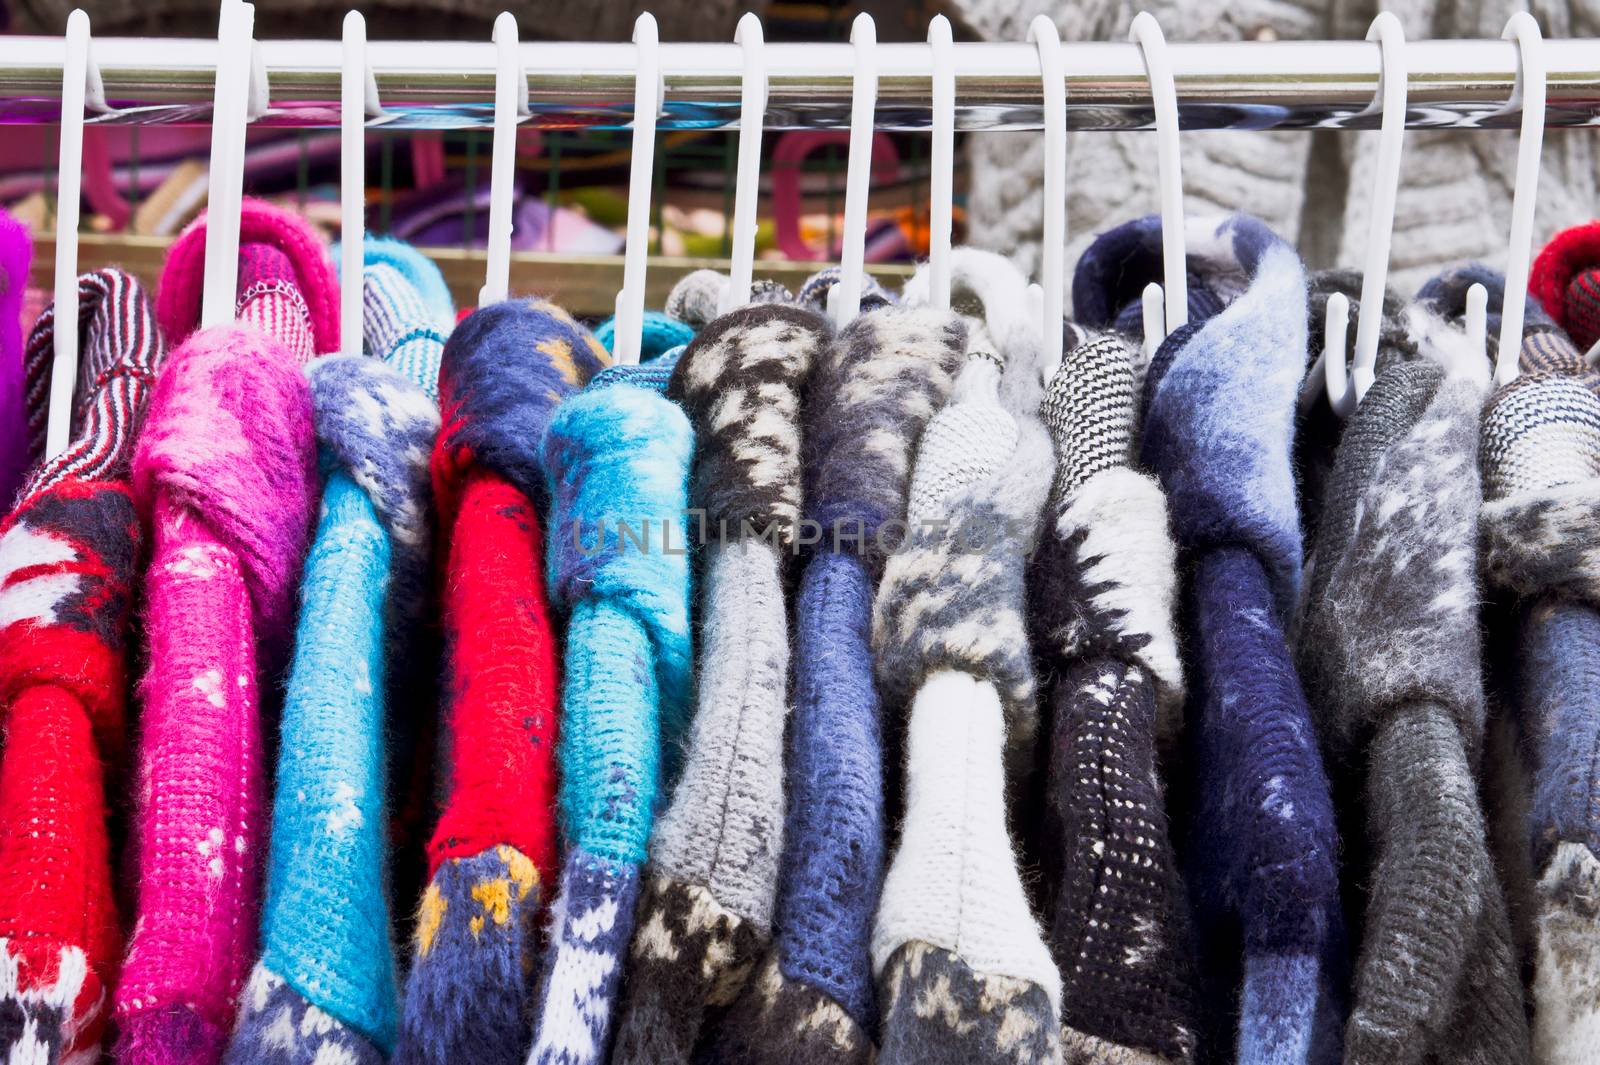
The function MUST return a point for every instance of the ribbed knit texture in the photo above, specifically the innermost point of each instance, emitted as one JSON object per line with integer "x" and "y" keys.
{"x": 963, "y": 971}
{"x": 872, "y": 391}
{"x": 1102, "y": 594}
{"x": 1259, "y": 841}
{"x": 1388, "y": 647}
{"x": 69, "y": 558}
{"x": 618, "y": 458}
{"x": 1541, "y": 472}
{"x": 325, "y": 924}
{"x": 225, "y": 470}
{"x": 1565, "y": 279}
{"x": 17, "y": 449}
{"x": 712, "y": 877}
{"x": 504, "y": 370}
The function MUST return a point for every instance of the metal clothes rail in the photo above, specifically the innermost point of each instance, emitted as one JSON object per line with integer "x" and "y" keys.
{"x": 450, "y": 85}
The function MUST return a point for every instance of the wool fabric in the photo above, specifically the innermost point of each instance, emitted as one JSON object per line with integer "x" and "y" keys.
{"x": 1102, "y": 596}
{"x": 504, "y": 370}
{"x": 1260, "y": 843}
{"x": 963, "y": 972}
{"x": 659, "y": 334}
{"x": 877, "y": 383}
{"x": 711, "y": 881}
{"x": 225, "y": 472}
{"x": 325, "y": 923}
{"x": 695, "y": 299}
{"x": 618, "y": 458}
{"x": 1565, "y": 280}
{"x": 69, "y": 555}
{"x": 16, "y": 454}
{"x": 1540, "y": 452}
{"x": 1388, "y": 647}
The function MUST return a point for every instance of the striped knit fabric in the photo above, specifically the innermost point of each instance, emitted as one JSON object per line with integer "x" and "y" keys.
{"x": 68, "y": 562}
{"x": 493, "y": 854}
{"x": 325, "y": 926}
{"x": 618, "y": 458}
{"x": 226, "y": 470}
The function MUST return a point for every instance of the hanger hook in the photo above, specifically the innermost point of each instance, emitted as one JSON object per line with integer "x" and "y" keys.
{"x": 1146, "y": 32}
{"x": 510, "y": 104}
{"x": 358, "y": 98}
{"x": 942, "y": 160}
{"x": 747, "y": 181}
{"x": 844, "y": 299}
{"x": 1530, "y": 91}
{"x": 80, "y": 90}
{"x": 1051, "y": 293}
{"x": 241, "y": 93}
{"x": 647, "y": 91}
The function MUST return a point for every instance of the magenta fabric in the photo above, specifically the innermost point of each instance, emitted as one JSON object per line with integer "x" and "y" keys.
{"x": 16, "y": 253}
{"x": 225, "y": 473}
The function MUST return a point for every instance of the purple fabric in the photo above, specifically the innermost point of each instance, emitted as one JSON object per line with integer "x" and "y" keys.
{"x": 16, "y": 250}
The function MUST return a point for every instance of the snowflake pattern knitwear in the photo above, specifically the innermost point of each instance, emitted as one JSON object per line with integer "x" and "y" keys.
{"x": 225, "y": 472}
{"x": 503, "y": 372}
{"x": 705, "y": 917}
{"x": 1388, "y": 647}
{"x": 17, "y": 449}
{"x": 963, "y": 972}
{"x": 325, "y": 981}
{"x": 1541, "y": 476}
{"x": 618, "y": 458}
{"x": 872, "y": 391}
{"x": 1260, "y": 844}
{"x": 69, "y": 556}
{"x": 1103, "y": 591}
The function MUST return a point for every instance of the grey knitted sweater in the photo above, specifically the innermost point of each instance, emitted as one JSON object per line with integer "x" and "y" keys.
{"x": 1388, "y": 646}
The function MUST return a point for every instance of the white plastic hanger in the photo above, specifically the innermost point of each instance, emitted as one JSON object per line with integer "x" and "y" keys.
{"x": 358, "y": 98}
{"x": 80, "y": 88}
{"x": 241, "y": 95}
{"x": 844, "y": 299}
{"x": 747, "y": 180}
{"x": 1146, "y": 32}
{"x": 1524, "y": 29}
{"x": 1050, "y": 294}
{"x": 510, "y": 105}
{"x": 1345, "y": 392}
{"x": 646, "y": 108}
{"x": 942, "y": 160}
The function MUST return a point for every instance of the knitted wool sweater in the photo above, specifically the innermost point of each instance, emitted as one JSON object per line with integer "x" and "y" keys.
{"x": 69, "y": 555}
{"x": 16, "y": 450}
{"x": 618, "y": 457}
{"x": 503, "y": 372}
{"x": 1102, "y": 592}
{"x": 963, "y": 972}
{"x": 1540, "y": 454}
{"x": 1388, "y": 647}
{"x": 877, "y": 382}
{"x": 225, "y": 473}
{"x": 325, "y": 924}
{"x": 1260, "y": 841}
{"x": 705, "y": 918}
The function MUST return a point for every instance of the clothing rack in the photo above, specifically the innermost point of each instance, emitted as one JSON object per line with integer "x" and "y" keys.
{"x": 450, "y": 85}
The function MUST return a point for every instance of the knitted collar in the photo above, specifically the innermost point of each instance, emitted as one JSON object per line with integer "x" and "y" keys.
{"x": 739, "y": 381}
{"x": 310, "y": 272}
{"x": 120, "y": 353}
{"x": 1220, "y": 394}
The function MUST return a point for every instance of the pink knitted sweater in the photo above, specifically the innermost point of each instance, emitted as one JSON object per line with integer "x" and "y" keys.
{"x": 226, "y": 471}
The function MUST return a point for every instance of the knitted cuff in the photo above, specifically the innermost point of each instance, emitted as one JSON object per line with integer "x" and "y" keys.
{"x": 121, "y": 353}
{"x": 475, "y": 938}
{"x": 963, "y": 973}
{"x": 591, "y": 924}
{"x": 419, "y": 278}
{"x": 952, "y": 597}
